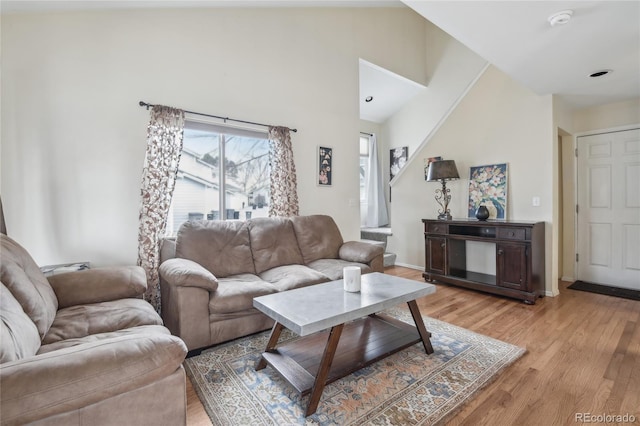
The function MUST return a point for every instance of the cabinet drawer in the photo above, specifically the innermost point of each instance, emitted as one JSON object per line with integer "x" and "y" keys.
{"x": 437, "y": 228}
{"x": 512, "y": 233}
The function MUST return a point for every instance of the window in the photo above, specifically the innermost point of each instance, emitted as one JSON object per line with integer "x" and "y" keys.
{"x": 236, "y": 188}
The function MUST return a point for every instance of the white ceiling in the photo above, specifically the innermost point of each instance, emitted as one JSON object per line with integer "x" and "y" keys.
{"x": 13, "y": 6}
{"x": 390, "y": 92}
{"x": 516, "y": 37}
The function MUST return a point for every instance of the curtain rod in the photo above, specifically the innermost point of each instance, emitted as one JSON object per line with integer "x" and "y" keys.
{"x": 365, "y": 133}
{"x": 144, "y": 104}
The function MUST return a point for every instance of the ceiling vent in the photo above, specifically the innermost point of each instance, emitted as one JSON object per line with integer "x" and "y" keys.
{"x": 600, "y": 73}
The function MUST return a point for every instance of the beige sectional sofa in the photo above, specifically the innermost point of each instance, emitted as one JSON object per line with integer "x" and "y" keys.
{"x": 213, "y": 270}
{"x": 82, "y": 348}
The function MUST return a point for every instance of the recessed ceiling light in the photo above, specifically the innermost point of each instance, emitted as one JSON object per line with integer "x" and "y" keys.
{"x": 600, "y": 73}
{"x": 560, "y": 18}
{"x": 368, "y": 99}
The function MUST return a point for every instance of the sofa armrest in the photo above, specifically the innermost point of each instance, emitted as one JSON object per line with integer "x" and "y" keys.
{"x": 187, "y": 273}
{"x": 98, "y": 285}
{"x": 358, "y": 251}
{"x": 68, "y": 379}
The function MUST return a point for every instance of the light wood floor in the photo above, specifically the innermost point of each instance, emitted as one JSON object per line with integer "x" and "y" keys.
{"x": 583, "y": 355}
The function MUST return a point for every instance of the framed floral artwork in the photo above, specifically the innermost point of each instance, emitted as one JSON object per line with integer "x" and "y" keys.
{"x": 325, "y": 165}
{"x": 488, "y": 187}
{"x": 397, "y": 158}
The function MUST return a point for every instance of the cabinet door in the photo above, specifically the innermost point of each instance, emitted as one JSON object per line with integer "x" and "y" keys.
{"x": 512, "y": 269}
{"x": 436, "y": 249}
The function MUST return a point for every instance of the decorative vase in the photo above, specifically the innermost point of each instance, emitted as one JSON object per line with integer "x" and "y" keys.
{"x": 351, "y": 278}
{"x": 482, "y": 213}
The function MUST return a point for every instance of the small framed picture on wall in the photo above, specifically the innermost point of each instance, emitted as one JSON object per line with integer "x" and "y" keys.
{"x": 397, "y": 159}
{"x": 325, "y": 166}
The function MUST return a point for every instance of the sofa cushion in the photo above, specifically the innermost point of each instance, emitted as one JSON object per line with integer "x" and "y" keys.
{"x": 293, "y": 276}
{"x": 273, "y": 243}
{"x": 22, "y": 276}
{"x": 318, "y": 237}
{"x": 98, "y": 285}
{"x": 222, "y": 247}
{"x": 332, "y": 268}
{"x": 141, "y": 331}
{"x": 83, "y": 320}
{"x": 236, "y": 293}
{"x": 19, "y": 336}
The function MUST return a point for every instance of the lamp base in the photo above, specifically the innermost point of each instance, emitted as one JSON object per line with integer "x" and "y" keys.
{"x": 445, "y": 216}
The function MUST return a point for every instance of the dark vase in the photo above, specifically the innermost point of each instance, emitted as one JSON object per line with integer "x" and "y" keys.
{"x": 482, "y": 213}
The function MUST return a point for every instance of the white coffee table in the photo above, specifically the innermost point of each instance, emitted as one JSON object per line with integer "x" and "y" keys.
{"x": 321, "y": 357}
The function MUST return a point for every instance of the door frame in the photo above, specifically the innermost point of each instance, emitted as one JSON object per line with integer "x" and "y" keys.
{"x": 575, "y": 179}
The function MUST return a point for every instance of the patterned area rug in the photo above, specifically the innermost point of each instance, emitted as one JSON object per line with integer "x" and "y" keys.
{"x": 407, "y": 388}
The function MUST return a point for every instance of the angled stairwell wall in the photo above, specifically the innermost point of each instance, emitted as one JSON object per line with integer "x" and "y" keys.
{"x": 497, "y": 121}
{"x": 452, "y": 70}
{"x": 474, "y": 114}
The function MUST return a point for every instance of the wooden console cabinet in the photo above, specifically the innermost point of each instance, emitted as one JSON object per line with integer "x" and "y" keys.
{"x": 519, "y": 248}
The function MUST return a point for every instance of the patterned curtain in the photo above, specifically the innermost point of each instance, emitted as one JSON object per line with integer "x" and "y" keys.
{"x": 284, "y": 184}
{"x": 164, "y": 145}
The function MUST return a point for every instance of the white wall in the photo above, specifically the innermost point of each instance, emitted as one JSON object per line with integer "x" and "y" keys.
{"x": 451, "y": 66}
{"x": 73, "y": 137}
{"x": 497, "y": 121}
{"x": 607, "y": 116}
{"x": 451, "y": 69}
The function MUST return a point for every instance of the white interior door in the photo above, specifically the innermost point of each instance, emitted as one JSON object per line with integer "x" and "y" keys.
{"x": 608, "y": 238}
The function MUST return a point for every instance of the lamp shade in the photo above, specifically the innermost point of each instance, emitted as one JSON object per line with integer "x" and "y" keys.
{"x": 442, "y": 170}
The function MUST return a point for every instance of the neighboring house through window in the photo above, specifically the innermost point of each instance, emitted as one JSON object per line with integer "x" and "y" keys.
{"x": 236, "y": 188}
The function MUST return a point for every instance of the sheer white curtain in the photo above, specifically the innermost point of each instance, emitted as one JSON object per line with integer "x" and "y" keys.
{"x": 376, "y": 204}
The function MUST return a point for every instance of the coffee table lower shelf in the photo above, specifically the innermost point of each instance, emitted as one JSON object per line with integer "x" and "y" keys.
{"x": 362, "y": 342}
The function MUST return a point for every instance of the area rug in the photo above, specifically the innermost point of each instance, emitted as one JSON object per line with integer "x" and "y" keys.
{"x": 407, "y": 388}
{"x": 626, "y": 293}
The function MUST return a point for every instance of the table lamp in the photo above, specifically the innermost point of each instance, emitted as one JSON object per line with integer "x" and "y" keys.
{"x": 443, "y": 171}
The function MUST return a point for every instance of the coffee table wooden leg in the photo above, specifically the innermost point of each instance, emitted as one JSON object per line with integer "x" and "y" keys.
{"x": 271, "y": 345}
{"x": 422, "y": 330}
{"x": 323, "y": 369}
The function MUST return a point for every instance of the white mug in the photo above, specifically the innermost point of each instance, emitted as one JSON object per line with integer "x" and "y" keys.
{"x": 351, "y": 278}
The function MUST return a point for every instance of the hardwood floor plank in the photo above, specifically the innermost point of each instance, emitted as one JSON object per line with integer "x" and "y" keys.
{"x": 583, "y": 355}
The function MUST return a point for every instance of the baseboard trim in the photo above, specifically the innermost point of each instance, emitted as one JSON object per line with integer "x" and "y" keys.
{"x": 406, "y": 265}
{"x": 570, "y": 279}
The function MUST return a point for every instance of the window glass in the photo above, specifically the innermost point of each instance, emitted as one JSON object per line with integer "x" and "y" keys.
{"x": 364, "y": 164}
{"x": 236, "y": 188}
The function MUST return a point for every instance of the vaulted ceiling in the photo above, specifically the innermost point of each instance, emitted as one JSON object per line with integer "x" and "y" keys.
{"x": 517, "y": 38}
